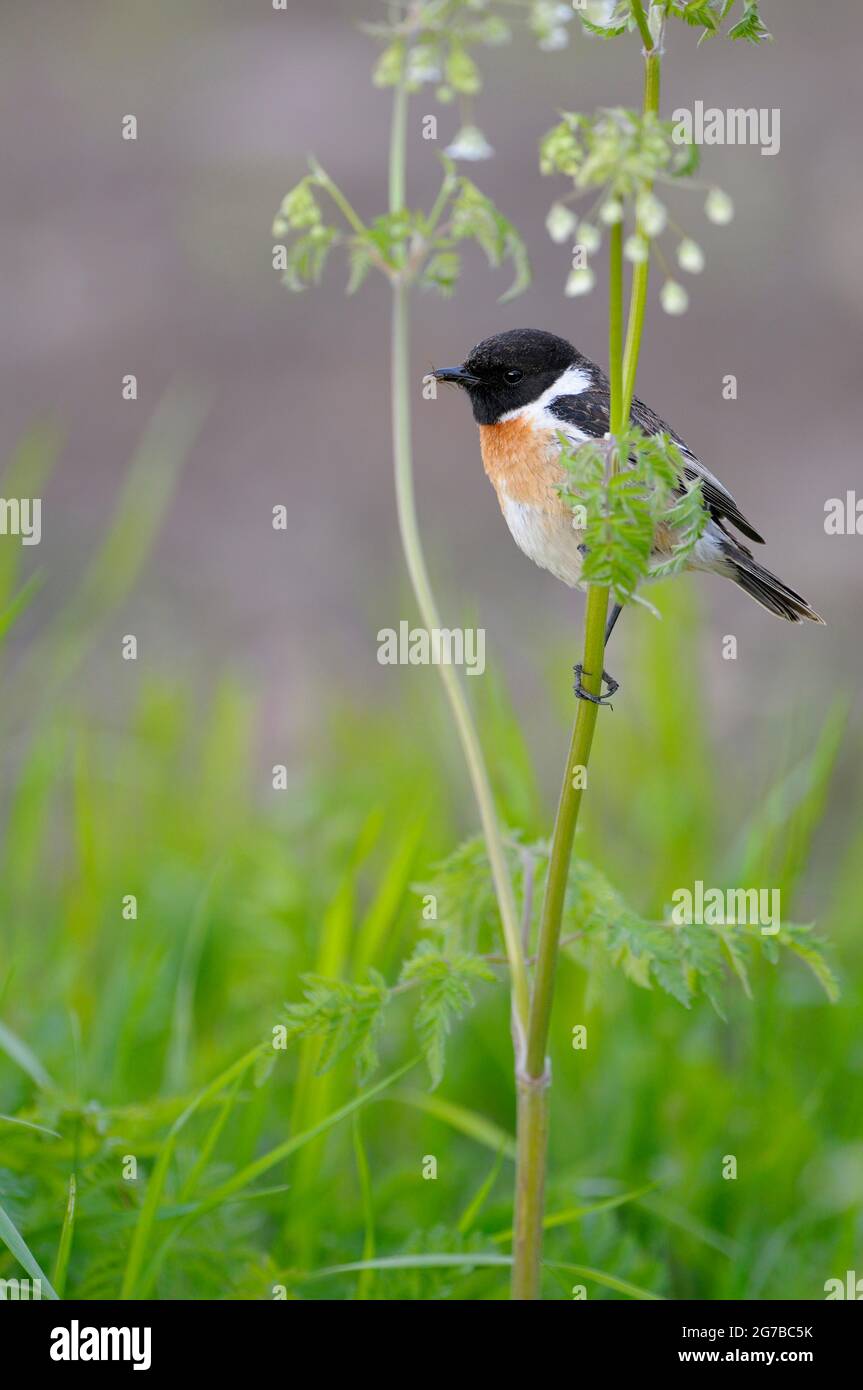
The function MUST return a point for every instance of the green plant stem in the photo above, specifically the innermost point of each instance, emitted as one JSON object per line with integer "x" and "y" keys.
{"x": 615, "y": 326}
{"x": 643, "y": 27}
{"x": 345, "y": 208}
{"x": 398, "y": 144}
{"x": 533, "y": 1094}
{"x": 564, "y": 830}
{"x": 531, "y": 1145}
{"x": 641, "y": 273}
{"x": 410, "y": 535}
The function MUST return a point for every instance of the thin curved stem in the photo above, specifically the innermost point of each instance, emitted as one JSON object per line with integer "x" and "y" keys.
{"x": 398, "y": 141}
{"x": 418, "y": 571}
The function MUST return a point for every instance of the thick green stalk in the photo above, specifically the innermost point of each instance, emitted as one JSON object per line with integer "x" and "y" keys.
{"x": 585, "y": 720}
{"x": 410, "y": 535}
{"x": 643, "y": 27}
{"x": 534, "y": 1084}
{"x": 564, "y": 831}
{"x": 532, "y": 1132}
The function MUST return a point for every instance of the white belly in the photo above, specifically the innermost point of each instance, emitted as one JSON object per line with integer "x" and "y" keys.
{"x": 548, "y": 538}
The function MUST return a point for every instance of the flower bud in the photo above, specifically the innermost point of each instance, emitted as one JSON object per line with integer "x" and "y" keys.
{"x": 674, "y": 298}
{"x": 651, "y": 214}
{"x": 719, "y": 207}
{"x": 579, "y": 282}
{"x": 690, "y": 256}
{"x": 589, "y": 237}
{"x": 470, "y": 144}
{"x": 560, "y": 222}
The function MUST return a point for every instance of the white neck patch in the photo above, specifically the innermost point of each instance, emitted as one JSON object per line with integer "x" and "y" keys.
{"x": 571, "y": 382}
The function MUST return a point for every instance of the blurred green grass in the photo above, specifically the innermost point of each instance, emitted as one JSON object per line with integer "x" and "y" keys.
{"x": 149, "y": 1038}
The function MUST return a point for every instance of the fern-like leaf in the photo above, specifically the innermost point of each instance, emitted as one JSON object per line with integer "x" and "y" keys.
{"x": 346, "y": 1016}
{"x": 445, "y": 994}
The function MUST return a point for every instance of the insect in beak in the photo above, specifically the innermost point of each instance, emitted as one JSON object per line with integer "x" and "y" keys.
{"x": 456, "y": 375}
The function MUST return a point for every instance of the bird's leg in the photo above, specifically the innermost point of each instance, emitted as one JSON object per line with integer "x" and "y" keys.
{"x": 582, "y": 694}
{"x": 613, "y": 685}
{"x": 613, "y": 617}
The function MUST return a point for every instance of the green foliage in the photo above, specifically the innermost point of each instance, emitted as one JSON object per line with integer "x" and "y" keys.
{"x": 349, "y": 1017}
{"x": 647, "y": 1111}
{"x": 431, "y": 47}
{"x": 345, "y": 1016}
{"x": 609, "y": 22}
{"x": 750, "y": 26}
{"x": 600, "y": 928}
{"x": 620, "y": 156}
{"x": 465, "y": 903}
{"x": 445, "y": 994}
{"x": 710, "y": 15}
{"x": 634, "y": 512}
{"x": 474, "y": 217}
{"x": 617, "y": 150}
{"x": 430, "y": 44}
{"x": 402, "y": 245}
{"x": 707, "y": 15}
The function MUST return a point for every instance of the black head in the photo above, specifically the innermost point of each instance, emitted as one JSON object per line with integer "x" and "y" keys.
{"x": 510, "y": 370}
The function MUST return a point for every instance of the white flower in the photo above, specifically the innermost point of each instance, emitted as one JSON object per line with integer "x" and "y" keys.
{"x": 651, "y": 214}
{"x": 469, "y": 143}
{"x": 674, "y": 298}
{"x": 589, "y": 237}
{"x": 560, "y": 222}
{"x": 611, "y": 211}
{"x": 579, "y": 282}
{"x": 719, "y": 207}
{"x": 636, "y": 249}
{"x": 422, "y": 65}
{"x": 690, "y": 256}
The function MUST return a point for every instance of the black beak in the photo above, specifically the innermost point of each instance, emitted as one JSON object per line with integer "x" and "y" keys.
{"x": 457, "y": 375}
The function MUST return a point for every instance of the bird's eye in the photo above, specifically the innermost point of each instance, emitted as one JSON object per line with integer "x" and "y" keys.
{"x": 512, "y": 376}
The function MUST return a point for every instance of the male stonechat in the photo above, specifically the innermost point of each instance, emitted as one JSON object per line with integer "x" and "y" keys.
{"x": 528, "y": 388}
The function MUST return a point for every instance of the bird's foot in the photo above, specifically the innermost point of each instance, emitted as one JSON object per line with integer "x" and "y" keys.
{"x": 582, "y": 694}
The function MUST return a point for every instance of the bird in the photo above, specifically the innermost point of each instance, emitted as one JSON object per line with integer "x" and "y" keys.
{"x": 531, "y": 391}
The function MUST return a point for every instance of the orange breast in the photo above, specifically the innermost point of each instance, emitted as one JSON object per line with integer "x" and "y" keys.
{"x": 522, "y": 463}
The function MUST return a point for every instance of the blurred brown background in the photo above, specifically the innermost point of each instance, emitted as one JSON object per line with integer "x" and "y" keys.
{"x": 155, "y": 258}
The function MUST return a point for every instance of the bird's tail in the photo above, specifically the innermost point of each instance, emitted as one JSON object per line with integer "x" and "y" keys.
{"x": 764, "y": 587}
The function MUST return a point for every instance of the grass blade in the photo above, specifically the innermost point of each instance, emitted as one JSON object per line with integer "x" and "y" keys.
{"x": 292, "y": 1145}
{"x": 156, "y": 1186}
{"x": 364, "y": 1283}
{"x": 15, "y": 1242}
{"x": 64, "y": 1249}
{"x": 571, "y": 1214}
{"x": 26, "y": 1059}
{"x": 459, "y": 1117}
{"x": 477, "y": 1202}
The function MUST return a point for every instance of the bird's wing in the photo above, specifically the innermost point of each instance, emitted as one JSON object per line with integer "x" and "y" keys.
{"x": 588, "y": 414}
